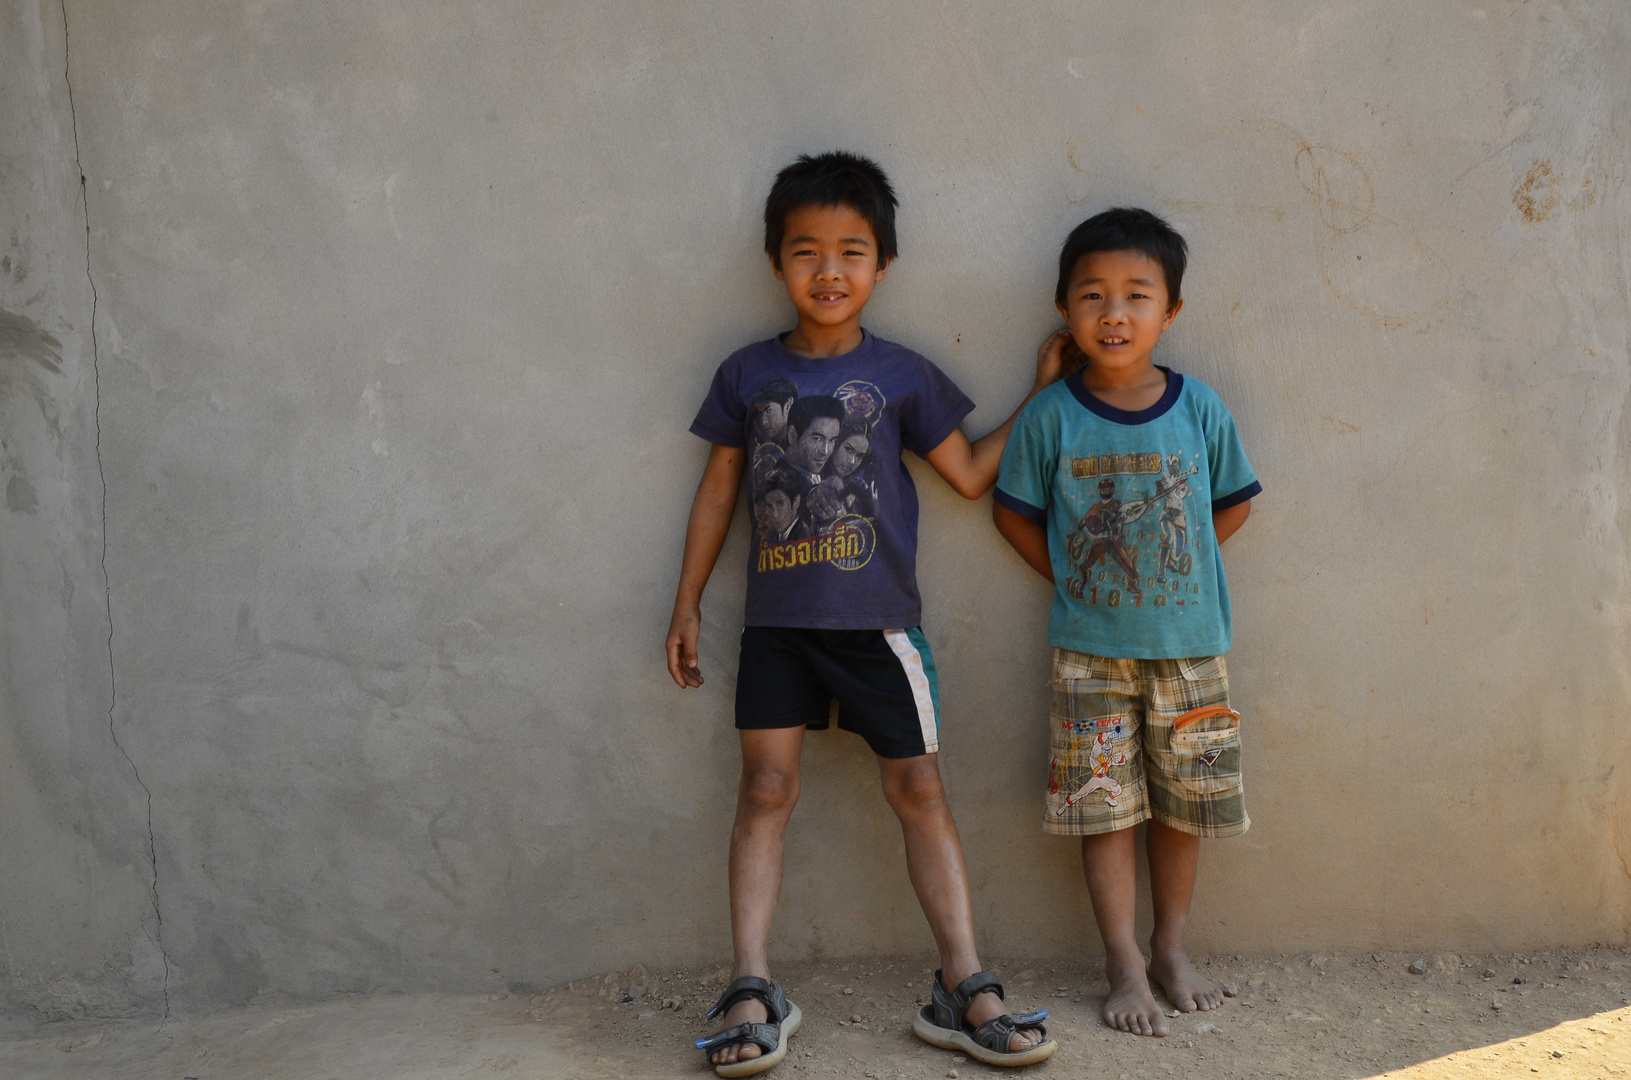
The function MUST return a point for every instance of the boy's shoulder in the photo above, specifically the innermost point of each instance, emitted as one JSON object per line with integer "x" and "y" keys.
{"x": 1202, "y": 394}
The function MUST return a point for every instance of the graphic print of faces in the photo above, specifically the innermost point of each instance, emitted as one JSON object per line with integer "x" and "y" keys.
{"x": 770, "y": 408}
{"x": 812, "y": 432}
{"x": 854, "y": 445}
{"x": 778, "y": 507}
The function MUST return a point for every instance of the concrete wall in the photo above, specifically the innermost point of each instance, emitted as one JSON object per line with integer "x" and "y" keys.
{"x": 401, "y": 312}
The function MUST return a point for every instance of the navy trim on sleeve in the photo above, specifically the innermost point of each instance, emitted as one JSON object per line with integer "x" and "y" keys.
{"x": 1250, "y": 491}
{"x": 732, "y": 439}
{"x": 1019, "y": 506}
{"x": 1175, "y": 386}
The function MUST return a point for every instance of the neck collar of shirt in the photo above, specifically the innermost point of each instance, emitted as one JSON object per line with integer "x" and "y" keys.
{"x": 1169, "y": 398}
{"x": 788, "y": 358}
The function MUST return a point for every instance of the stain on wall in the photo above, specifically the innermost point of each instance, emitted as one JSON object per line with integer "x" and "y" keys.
{"x": 20, "y": 339}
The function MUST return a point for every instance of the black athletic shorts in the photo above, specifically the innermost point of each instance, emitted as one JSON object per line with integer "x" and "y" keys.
{"x": 884, "y": 682}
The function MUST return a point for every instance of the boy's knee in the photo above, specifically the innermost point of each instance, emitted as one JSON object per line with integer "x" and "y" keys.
{"x": 768, "y": 791}
{"x": 915, "y": 787}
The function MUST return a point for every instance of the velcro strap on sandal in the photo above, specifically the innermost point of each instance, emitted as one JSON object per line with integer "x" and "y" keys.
{"x": 751, "y": 986}
{"x": 997, "y": 1033}
{"x": 765, "y": 1036}
{"x": 976, "y": 984}
{"x": 1033, "y": 1018}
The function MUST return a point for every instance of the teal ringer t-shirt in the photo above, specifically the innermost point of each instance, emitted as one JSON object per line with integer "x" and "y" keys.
{"x": 1128, "y": 499}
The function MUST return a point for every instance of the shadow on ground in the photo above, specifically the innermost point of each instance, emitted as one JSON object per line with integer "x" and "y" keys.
{"x": 1557, "y": 1015}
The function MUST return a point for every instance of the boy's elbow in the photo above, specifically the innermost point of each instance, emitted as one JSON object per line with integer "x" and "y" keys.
{"x": 971, "y": 487}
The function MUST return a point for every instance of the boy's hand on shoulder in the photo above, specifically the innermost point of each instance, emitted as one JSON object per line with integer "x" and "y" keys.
{"x": 971, "y": 468}
{"x": 683, "y": 630}
{"x": 1057, "y": 357}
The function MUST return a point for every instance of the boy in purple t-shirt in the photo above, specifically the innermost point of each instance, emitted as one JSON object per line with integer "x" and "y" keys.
{"x": 818, "y": 419}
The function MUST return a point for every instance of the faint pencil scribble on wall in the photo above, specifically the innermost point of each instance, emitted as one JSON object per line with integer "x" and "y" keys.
{"x": 1405, "y": 280}
{"x": 1377, "y": 267}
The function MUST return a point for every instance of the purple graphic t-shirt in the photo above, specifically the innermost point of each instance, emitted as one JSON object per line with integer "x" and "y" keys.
{"x": 834, "y": 509}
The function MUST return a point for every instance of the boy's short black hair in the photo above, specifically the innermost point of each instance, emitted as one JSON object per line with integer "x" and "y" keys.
{"x": 836, "y": 178}
{"x": 807, "y": 408}
{"x": 1125, "y": 228}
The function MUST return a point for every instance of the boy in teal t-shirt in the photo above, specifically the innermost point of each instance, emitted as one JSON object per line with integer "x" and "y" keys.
{"x": 1118, "y": 484}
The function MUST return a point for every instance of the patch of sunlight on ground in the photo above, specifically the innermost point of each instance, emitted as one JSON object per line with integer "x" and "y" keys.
{"x": 1586, "y": 1049}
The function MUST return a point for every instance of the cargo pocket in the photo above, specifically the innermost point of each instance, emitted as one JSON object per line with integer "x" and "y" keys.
{"x": 1206, "y": 748}
{"x": 1206, "y": 737}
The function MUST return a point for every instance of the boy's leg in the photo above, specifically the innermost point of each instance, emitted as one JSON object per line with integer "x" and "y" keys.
{"x": 1174, "y": 858}
{"x": 1109, "y": 863}
{"x": 1192, "y": 752}
{"x": 765, "y": 799}
{"x": 934, "y": 860}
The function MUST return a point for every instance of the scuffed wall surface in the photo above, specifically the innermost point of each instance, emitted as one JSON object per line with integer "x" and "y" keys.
{"x": 403, "y": 311}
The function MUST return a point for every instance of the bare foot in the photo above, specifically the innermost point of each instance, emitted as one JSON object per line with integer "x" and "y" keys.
{"x": 1184, "y": 985}
{"x": 747, "y": 1011}
{"x": 988, "y": 1005}
{"x": 1131, "y": 1007}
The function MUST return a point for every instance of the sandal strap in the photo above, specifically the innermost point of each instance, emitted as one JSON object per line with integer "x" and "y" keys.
{"x": 752, "y": 986}
{"x": 951, "y": 1005}
{"x": 976, "y": 984}
{"x": 997, "y": 1033}
{"x": 765, "y": 1036}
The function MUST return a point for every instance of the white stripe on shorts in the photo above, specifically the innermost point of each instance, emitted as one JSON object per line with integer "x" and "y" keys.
{"x": 912, "y": 662}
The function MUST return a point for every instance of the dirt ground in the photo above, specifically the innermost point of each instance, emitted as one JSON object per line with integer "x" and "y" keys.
{"x": 1556, "y": 1015}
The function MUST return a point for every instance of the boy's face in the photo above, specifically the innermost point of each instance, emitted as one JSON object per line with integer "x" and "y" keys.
{"x": 829, "y": 264}
{"x": 1117, "y": 308}
{"x": 811, "y": 447}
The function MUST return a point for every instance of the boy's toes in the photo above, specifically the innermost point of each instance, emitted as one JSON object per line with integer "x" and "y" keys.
{"x": 1184, "y": 985}
{"x": 1135, "y": 1012}
{"x": 743, "y": 1012}
{"x": 727, "y": 1055}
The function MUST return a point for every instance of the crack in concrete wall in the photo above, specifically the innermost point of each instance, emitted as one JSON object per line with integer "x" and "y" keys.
{"x": 107, "y": 582}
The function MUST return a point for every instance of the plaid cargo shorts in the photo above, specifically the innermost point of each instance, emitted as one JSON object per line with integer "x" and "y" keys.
{"x": 1136, "y": 739}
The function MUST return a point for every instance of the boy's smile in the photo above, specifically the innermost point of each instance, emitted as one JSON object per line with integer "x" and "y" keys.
{"x": 829, "y": 264}
{"x": 1117, "y": 308}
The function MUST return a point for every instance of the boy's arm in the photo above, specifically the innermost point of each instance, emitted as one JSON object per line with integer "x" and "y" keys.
{"x": 971, "y": 468}
{"x": 711, "y": 512}
{"x": 1029, "y": 538}
{"x": 1226, "y": 522}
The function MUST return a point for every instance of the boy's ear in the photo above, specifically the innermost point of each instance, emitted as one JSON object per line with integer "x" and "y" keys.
{"x": 1172, "y": 313}
{"x": 883, "y": 268}
{"x": 776, "y": 267}
{"x": 1064, "y": 312}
